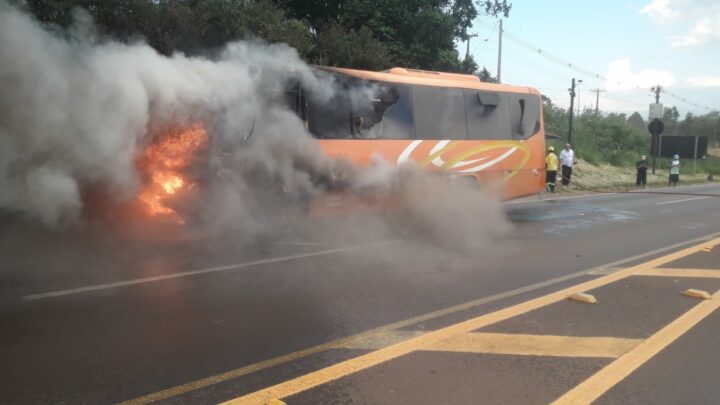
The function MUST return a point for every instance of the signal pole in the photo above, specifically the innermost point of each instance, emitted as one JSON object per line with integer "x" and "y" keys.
{"x": 597, "y": 98}
{"x": 499, "y": 66}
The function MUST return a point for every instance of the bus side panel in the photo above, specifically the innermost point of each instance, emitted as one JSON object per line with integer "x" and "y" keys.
{"x": 519, "y": 165}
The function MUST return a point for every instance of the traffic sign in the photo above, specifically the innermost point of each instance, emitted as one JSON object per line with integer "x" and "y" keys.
{"x": 656, "y": 111}
{"x": 656, "y": 127}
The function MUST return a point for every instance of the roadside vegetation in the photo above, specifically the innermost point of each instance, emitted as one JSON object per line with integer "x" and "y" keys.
{"x": 609, "y": 145}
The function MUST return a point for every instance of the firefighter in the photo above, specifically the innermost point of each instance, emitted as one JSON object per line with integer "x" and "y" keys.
{"x": 551, "y": 167}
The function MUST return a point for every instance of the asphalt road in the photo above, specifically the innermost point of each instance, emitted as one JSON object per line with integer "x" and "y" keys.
{"x": 90, "y": 317}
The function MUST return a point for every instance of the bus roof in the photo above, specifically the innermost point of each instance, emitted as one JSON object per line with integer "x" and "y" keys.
{"x": 429, "y": 78}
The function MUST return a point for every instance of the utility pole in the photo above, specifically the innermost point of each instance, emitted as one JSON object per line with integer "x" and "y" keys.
{"x": 597, "y": 99}
{"x": 467, "y": 53}
{"x": 572, "y": 101}
{"x": 657, "y": 139}
{"x": 499, "y": 67}
{"x": 657, "y": 89}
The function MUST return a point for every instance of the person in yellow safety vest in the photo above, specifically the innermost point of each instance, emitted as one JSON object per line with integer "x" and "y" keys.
{"x": 551, "y": 167}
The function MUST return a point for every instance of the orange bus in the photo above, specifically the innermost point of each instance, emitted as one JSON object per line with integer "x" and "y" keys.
{"x": 442, "y": 121}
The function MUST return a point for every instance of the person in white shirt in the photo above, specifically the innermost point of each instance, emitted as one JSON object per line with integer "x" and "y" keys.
{"x": 567, "y": 160}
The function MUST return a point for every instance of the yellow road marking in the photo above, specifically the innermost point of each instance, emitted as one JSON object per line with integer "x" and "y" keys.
{"x": 341, "y": 343}
{"x": 383, "y": 339}
{"x": 350, "y": 340}
{"x": 252, "y": 368}
{"x": 368, "y": 360}
{"x": 669, "y": 272}
{"x": 336, "y": 344}
{"x": 535, "y": 345}
{"x": 592, "y": 388}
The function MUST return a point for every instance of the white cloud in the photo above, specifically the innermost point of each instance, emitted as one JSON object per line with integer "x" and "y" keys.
{"x": 624, "y": 106}
{"x": 698, "y": 19}
{"x": 706, "y": 30}
{"x": 660, "y": 11}
{"x": 620, "y": 77}
{"x": 704, "y": 81}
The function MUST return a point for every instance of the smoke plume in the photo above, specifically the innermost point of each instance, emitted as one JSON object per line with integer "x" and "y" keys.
{"x": 77, "y": 112}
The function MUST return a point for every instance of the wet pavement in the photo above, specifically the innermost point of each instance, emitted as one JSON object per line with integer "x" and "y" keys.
{"x": 88, "y": 317}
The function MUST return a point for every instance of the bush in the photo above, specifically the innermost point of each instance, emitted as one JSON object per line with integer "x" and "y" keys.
{"x": 599, "y": 138}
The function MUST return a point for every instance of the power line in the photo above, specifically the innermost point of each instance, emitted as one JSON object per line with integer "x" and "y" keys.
{"x": 684, "y": 100}
{"x": 547, "y": 55}
{"x": 569, "y": 65}
{"x": 528, "y": 64}
{"x": 546, "y": 72}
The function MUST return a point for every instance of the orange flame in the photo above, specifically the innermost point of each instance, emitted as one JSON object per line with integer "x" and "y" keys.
{"x": 163, "y": 163}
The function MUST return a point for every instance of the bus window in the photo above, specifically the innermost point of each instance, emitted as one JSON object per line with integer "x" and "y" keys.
{"x": 439, "y": 113}
{"x": 524, "y": 115}
{"x": 331, "y": 119}
{"x": 384, "y": 112}
{"x": 488, "y": 115}
{"x": 295, "y": 100}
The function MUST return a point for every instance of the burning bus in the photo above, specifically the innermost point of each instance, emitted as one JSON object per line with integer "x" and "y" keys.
{"x": 450, "y": 124}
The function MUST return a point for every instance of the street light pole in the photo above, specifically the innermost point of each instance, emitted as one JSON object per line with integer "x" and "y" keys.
{"x": 579, "y": 106}
{"x": 499, "y": 65}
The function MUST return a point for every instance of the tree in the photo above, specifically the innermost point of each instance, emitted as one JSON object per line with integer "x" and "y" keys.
{"x": 555, "y": 118}
{"x": 670, "y": 119}
{"x": 485, "y": 76}
{"x": 369, "y": 34}
{"x": 636, "y": 120}
{"x": 359, "y": 49}
{"x": 707, "y": 125}
{"x": 417, "y": 34}
{"x": 685, "y": 125}
{"x": 189, "y": 26}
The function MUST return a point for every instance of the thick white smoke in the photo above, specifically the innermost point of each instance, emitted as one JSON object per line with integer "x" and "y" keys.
{"x": 76, "y": 113}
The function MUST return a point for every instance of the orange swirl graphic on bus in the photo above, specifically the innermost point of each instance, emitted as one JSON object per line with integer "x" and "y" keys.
{"x": 459, "y": 157}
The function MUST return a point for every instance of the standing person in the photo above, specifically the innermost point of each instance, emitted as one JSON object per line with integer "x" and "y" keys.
{"x": 674, "y": 171}
{"x": 551, "y": 166}
{"x": 567, "y": 160}
{"x": 641, "y": 166}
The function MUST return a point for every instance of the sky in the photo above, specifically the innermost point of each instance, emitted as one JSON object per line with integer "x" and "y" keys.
{"x": 621, "y": 47}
